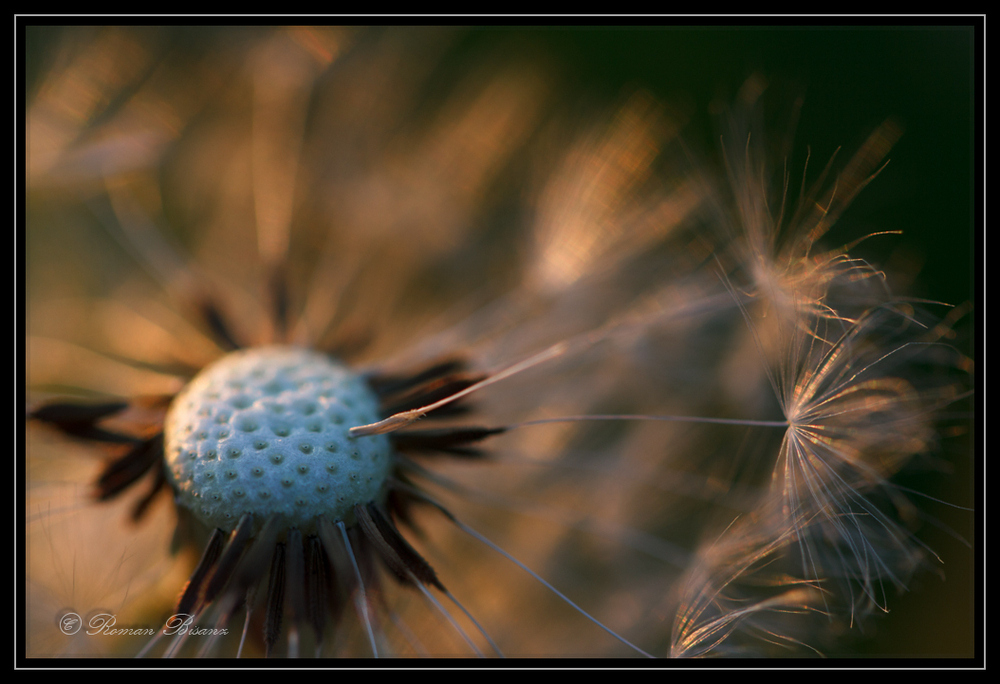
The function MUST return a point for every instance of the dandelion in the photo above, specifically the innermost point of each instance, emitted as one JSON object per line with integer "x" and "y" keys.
{"x": 272, "y": 285}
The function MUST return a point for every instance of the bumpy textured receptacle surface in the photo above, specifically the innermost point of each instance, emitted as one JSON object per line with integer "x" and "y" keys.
{"x": 265, "y": 431}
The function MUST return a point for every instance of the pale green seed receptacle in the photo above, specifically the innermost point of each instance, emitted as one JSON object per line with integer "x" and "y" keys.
{"x": 265, "y": 431}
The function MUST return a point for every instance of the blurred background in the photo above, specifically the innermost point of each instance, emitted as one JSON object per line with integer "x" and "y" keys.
{"x": 850, "y": 80}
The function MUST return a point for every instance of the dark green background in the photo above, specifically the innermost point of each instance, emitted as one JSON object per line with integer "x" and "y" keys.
{"x": 852, "y": 79}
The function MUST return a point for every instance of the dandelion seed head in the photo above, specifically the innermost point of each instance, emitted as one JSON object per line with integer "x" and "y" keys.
{"x": 264, "y": 431}
{"x": 420, "y": 228}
